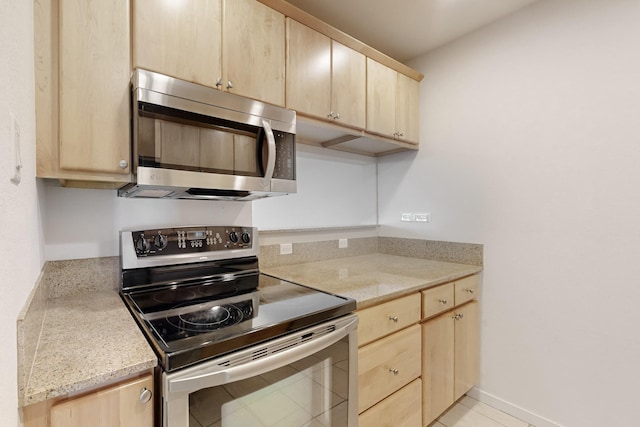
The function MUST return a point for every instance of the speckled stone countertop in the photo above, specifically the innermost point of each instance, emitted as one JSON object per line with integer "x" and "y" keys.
{"x": 87, "y": 340}
{"x": 373, "y": 278}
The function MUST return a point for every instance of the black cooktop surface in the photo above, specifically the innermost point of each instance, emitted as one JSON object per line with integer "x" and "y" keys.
{"x": 190, "y": 323}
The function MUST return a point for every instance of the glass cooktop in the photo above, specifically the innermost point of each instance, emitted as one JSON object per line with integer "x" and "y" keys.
{"x": 190, "y": 323}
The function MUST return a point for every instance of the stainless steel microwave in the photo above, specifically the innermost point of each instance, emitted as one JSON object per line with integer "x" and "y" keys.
{"x": 194, "y": 142}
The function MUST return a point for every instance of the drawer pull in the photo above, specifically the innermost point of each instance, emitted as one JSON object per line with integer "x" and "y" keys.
{"x": 470, "y": 290}
{"x": 457, "y": 316}
{"x": 394, "y": 371}
{"x": 394, "y": 318}
{"x": 442, "y": 301}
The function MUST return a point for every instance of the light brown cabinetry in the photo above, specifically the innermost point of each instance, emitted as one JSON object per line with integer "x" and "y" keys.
{"x": 397, "y": 410}
{"x": 128, "y": 404}
{"x": 392, "y": 103}
{"x": 82, "y": 90}
{"x": 450, "y": 345}
{"x": 325, "y": 79}
{"x": 389, "y": 356}
{"x": 234, "y": 45}
{"x": 180, "y": 39}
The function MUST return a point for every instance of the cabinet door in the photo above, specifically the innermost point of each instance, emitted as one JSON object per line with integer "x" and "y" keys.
{"x": 117, "y": 406}
{"x": 94, "y": 85}
{"x": 253, "y": 52}
{"x": 348, "y": 85}
{"x": 401, "y": 409}
{"x": 407, "y": 108}
{"x": 437, "y": 366}
{"x": 466, "y": 348}
{"x": 381, "y": 98}
{"x": 178, "y": 38}
{"x": 308, "y": 70}
{"x": 386, "y": 365}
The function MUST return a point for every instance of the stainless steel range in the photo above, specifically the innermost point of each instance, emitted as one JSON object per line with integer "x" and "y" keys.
{"x": 237, "y": 347}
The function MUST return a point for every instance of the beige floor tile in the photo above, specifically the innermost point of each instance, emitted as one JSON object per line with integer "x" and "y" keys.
{"x": 461, "y": 416}
{"x": 496, "y": 415}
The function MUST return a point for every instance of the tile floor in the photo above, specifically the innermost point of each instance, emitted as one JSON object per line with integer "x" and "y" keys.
{"x": 468, "y": 412}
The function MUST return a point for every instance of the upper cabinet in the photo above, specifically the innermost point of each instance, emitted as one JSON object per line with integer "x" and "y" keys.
{"x": 180, "y": 39}
{"x": 234, "y": 45}
{"x": 325, "y": 79}
{"x": 392, "y": 103}
{"x": 82, "y": 90}
{"x": 253, "y": 54}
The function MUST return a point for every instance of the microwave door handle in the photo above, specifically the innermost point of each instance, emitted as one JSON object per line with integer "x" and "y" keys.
{"x": 271, "y": 154}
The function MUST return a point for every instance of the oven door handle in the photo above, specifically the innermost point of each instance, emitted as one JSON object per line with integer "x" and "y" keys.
{"x": 204, "y": 378}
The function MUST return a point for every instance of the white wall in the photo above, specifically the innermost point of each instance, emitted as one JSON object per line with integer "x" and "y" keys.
{"x": 82, "y": 223}
{"x": 334, "y": 189}
{"x": 530, "y": 132}
{"x": 20, "y": 244}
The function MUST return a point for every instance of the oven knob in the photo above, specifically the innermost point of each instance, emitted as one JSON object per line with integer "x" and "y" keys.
{"x": 233, "y": 236}
{"x": 142, "y": 245}
{"x": 246, "y": 237}
{"x": 160, "y": 241}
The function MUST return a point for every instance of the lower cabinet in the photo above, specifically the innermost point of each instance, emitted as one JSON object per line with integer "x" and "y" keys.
{"x": 401, "y": 409}
{"x": 128, "y": 404}
{"x": 387, "y": 365}
{"x": 449, "y": 359}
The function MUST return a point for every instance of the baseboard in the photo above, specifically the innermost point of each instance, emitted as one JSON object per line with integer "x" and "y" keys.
{"x": 511, "y": 409}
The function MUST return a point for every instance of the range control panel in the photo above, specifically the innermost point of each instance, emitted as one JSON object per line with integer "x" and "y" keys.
{"x": 189, "y": 240}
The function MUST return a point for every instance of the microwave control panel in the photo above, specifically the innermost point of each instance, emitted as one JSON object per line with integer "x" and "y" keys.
{"x": 285, "y": 155}
{"x": 189, "y": 240}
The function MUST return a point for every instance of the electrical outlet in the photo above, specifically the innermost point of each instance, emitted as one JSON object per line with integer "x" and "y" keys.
{"x": 408, "y": 217}
{"x": 343, "y": 243}
{"x": 286, "y": 248}
{"x": 423, "y": 217}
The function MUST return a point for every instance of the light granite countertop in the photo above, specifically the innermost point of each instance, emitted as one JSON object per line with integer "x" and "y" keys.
{"x": 87, "y": 340}
{"x": 373, "y": 278}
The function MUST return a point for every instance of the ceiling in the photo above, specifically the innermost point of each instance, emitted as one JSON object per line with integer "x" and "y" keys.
{"x": 405, "y": 29}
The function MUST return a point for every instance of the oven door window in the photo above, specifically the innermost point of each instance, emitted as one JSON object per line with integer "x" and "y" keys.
{"x": 309, "y": 392}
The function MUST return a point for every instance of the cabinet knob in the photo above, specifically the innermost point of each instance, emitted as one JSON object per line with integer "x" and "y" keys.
{"x": 394, "y": 371}
{"x": 337, "y": 116}
{"x": 394, "y": 318}
{"x": 458, "y": 316}
{"x": 229, "y": 84}
{"x": 145, "y": 395}
{"x": 330, "y": 115}
{"x": 469, "y": 290}
{"x": 219, "y": 83}
{"x": 442, "y": 301}
{"x": 400, "y": 134}
{"x": 123, "y": 164}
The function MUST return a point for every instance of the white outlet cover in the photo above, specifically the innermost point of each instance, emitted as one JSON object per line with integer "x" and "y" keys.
{"x": 286, "y": 248}
{"x": 343, "y": 243}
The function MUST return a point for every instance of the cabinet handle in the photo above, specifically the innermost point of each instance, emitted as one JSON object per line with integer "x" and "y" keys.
{"x": 394, "y": 318}
{"x": 458, "y": 316}
{"x": 145, "y": 395}
{"x": 123, "y": 164}
{"x": 394, "y": 371}
{"x": 229, "y": 84}
{"x": 337, "y": 116}
{"x": 442, "y": 301}
{"x": 469, "y": 290}
{"x": 219, "y": 83}
{"x": 330, "y": 115}
{"x": 400, "y": 134}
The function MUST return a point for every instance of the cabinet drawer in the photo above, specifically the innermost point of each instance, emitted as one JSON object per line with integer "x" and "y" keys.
{"x": 388, "y": 364}
{"x": 466, "y": 289}
{"x": 437, "y": 300}
{"x": 387, "y": 318}
{"x": 402, "y": 409}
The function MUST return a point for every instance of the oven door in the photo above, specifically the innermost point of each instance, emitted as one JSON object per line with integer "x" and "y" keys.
{"x": 306, "y": 377}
